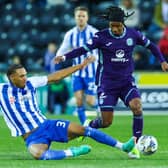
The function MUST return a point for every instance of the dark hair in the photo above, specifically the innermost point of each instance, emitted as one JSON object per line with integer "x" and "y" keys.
{"x": 12, "y": 69}
{"x": 81, "y": 8}
{"x": 115, "y": 14}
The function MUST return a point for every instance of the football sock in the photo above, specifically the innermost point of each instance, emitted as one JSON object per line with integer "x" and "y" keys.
{"x": 137, "y": 125}
{"x": 53, "y": 155}
{"x": 81, "y": 114}
{"x": 100, "y": 136}
{"x": 96, "y": 123}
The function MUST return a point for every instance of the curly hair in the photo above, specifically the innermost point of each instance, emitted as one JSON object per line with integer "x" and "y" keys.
{"x": 115, "y": 14}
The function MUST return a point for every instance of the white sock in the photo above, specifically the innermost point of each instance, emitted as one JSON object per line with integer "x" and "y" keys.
{"x": 119, "y": 145}
{"x": 68, "y": 153}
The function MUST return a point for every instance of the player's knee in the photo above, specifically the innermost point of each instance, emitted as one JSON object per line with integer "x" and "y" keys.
{"x": 136, "y": 107}
{"x": 79, "y": 102}
{"x": 90, "y": 102}
{"x": 107, "y": 123}
{"x": 36, "y": 153}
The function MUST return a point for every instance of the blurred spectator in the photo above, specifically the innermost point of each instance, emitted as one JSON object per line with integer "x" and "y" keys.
{"x": 48, "y": 57}
{"x": 58, "y": 93}
{"x": 161, "y": 14}
{"x": 38, "y": 3}
{"x": 163, "y": 44}
{"x": 129, "y": 6}
{"x": 55, "y": 2}
{"x": 160, "y": 20}
{"x": 141, "y": 59}
{"x": 15, "y": 60}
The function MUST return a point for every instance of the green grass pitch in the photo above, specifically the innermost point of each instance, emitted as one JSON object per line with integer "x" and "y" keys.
{"x": 13, "y": 153}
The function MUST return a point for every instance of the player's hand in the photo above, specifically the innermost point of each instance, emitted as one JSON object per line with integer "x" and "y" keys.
{"x": 164, "y": 66}
{"x": 59, "y": 59}
{"x": 87, "y": 61}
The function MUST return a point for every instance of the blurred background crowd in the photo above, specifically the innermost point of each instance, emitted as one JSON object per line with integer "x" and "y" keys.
{"x": 29, "y": 26}
{"x": 32, "y": 30}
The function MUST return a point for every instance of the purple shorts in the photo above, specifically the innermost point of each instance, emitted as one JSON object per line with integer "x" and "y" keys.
{"x": 108, "y": 98}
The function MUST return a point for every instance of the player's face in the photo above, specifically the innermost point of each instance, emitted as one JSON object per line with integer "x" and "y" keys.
{"x": 19, "y": 78}
{"x": 117, "y": 28}
{"x": 81, "y": 18}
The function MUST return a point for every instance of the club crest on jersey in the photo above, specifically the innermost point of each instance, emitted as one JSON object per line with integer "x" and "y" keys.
{"x": 129, "y": 41}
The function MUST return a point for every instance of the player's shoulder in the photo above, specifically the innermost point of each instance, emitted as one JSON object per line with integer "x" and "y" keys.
{"x": 92, "y": 28}
{"x": 103, "y": 32}
{"x": 2, "y": 85}
{"x": 71, "y": 31}
{"x": 132, "y": 31}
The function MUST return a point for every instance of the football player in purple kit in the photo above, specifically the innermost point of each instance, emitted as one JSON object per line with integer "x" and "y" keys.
{"x": 114, "y": 78}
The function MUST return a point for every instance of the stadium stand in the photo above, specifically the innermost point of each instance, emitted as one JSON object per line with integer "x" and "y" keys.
{"x": 26, "y": 28}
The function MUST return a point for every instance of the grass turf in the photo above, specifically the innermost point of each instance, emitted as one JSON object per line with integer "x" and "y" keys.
{"x": 13, "y": 153}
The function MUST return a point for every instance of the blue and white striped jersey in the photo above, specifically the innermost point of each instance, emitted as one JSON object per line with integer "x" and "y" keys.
{"x": 75, "y": 38}
{"x": 19, "y": 106}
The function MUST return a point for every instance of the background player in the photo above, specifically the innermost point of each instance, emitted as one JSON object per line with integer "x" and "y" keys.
{"x": 83, "y": 81}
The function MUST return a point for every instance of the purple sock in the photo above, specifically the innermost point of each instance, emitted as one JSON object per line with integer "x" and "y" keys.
{"x": 96, "y": 123}
{"x": 137, "y": 125}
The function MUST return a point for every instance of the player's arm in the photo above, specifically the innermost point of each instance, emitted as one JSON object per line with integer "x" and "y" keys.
{"x": 92, "y": 44}
{"x": 142, "y": 40}
{"x": 65, "y": 45}
{"x": 157, "y": 53}
{"x": 68, "y": 71}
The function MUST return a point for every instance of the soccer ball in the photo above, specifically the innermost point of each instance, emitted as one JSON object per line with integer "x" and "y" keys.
{"x": 147, "y": 144}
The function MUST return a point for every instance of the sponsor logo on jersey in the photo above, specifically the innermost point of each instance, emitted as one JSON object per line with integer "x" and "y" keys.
{"x": 119, "y": 56}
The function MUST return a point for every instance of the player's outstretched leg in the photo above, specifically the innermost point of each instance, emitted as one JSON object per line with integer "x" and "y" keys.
{"x": 103, "y": 138}
{"x": 86, "y": 123}
{"x": 61, "y": 154}
{"x": 129, "y": 145}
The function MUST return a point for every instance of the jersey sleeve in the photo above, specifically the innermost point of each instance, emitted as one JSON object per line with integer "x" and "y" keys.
{"x": 65, "y": 46}
{"x": 93, "y": 43}
{"x": 142, "y": 40}
{"x": 38, "y": 81}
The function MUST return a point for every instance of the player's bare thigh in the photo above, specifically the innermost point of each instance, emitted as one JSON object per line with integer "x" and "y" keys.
{"x": 75, "y": 130}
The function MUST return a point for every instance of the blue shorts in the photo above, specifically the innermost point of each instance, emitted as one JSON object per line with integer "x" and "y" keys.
{"x": 86, "y": 84}
{"x": 50, "y": 130}
{"x": 107, "y": 99}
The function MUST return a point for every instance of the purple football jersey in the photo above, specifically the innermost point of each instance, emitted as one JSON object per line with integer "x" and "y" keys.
{"x": 116, "y": 64}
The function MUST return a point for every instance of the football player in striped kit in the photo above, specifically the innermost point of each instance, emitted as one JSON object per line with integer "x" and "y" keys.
{"x": 83, "y": 81}
{"x": 24, "y": 118}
